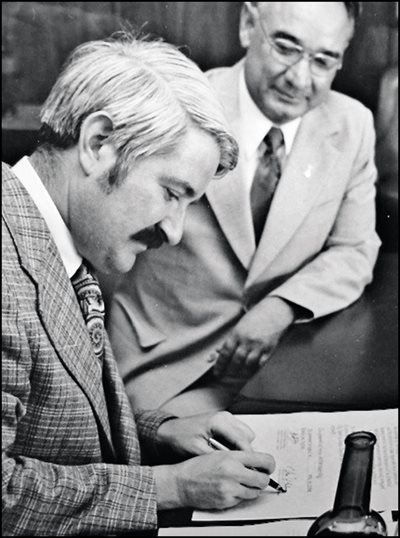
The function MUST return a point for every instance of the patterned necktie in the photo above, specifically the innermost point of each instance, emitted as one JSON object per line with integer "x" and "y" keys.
{"x": 90, "y": 300}
{"x": 266, "y": 178}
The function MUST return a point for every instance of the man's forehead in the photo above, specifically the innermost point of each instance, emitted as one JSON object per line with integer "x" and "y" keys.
{"x": 327, "y": 21}
{"x": 289, "y": 12}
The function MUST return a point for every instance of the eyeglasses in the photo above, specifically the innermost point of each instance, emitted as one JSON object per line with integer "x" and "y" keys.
{"x": 287, "y": 53}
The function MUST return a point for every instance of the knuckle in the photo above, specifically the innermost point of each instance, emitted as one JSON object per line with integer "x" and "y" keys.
{"x": 229, "y": 466}
{"x": 240, "y": 354}
{"x": 267, "y": 347}
{"x": 224, "y": 416}
{"x": 223, "y": 491}
{"x": 272, "y": 464}
{"x": 251, "y": 435}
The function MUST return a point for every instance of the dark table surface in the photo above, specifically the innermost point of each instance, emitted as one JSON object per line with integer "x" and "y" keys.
{"x": 345, "y": 361}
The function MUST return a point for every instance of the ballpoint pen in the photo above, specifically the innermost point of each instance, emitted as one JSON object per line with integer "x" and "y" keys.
{"x": 219, "y": 446}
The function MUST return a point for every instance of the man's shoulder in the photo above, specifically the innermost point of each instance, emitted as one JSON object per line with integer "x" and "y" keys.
{"x": 223, "y": 77}
{"x": 12, "y": 190}
{"x": 21, "y": 218}
{"x": 218, "y": 72}
{"x": 6, "y": 172}
{"x": 345, "y": 115}
{"x": 343, "y": 105}
{"x": 9, "y": 185}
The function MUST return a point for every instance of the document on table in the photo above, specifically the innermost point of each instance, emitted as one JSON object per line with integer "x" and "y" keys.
{"x": 308, "y": 449}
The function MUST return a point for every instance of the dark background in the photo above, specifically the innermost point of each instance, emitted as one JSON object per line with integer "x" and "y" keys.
{"x": 38, "y": 36}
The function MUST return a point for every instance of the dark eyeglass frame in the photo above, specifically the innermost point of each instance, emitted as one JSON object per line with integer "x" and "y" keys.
{"x": 287, "y": 53}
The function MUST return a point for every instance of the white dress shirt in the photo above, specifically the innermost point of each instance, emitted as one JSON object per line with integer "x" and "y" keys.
{"x": 58, "y": 229}
{"x": 253, "y": 126}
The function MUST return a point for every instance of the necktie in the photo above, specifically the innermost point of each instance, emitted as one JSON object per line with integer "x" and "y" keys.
{"x": 266, "y": 178}
{"x": 90, "y": 300}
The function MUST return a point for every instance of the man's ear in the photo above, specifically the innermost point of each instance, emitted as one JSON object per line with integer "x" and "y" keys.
{"x": 248, "y": 17}
{"x": 96, "y": 153}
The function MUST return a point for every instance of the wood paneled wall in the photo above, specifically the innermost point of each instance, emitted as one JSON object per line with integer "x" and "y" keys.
{"x": 37, "y": 37}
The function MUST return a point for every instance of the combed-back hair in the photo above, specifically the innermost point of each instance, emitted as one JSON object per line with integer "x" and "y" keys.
{"x": 354, "y": 9}
{"x": 149, "y": 88}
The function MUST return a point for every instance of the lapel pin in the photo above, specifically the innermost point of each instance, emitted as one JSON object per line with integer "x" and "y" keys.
{"x": 308, "y": 171}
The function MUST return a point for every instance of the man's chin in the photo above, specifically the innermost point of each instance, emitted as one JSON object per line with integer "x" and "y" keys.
{"x": 119, "y": 266}
{"x": 284, "y": 109}
{"x": 128, "y": 266}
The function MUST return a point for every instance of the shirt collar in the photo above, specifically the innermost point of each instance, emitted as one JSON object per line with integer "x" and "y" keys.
{"x": 47, "y": 208}
{"x": 253, "y": 125}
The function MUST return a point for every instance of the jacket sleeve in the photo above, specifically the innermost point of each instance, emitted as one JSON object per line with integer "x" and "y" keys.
{"x": 147, "y": 423}
{"x": 44, "y": 498}
{"x": 337, "y": 276}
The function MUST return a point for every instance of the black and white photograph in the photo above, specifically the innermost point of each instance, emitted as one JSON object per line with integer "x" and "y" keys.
{"x": 199, "y": 268}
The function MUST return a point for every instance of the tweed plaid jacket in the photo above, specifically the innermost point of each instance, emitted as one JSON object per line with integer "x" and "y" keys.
{"x": 70, "y": 445}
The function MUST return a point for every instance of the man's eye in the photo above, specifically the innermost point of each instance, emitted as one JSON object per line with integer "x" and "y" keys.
{"x": 285, "y": 48}
{"x": 324, "y": 62}
{"x": 171, "y": 195}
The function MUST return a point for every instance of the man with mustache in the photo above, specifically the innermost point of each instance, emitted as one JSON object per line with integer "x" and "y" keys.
{"x": 132, "y": 133}
{"x": 201, "y": 320}
{"x": 153, "y": 237}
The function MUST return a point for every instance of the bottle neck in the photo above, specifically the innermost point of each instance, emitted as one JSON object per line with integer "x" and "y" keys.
{"x": 354, "y": 486}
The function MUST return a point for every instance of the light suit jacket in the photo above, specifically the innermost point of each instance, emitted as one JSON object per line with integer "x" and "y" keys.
{"x": 63, "y": 417}
{"x": 318, "y": 250}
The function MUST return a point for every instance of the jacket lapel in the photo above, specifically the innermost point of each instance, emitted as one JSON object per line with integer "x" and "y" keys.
{"x": 62, "y": 318}
{"x": 226, "y": 197}
{"x": 58, "y": 308}
{"x": 305, "y": 174}
{"x": 227, "y": 194}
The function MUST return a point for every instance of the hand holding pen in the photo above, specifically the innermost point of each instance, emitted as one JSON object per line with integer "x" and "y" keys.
{"x": 207, "y": 478}
{"x": 219, "y": 446}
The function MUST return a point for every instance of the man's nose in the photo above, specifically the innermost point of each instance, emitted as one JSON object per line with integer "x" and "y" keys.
{"x": 299, "y": 74}
{"x": 172, "y": 225}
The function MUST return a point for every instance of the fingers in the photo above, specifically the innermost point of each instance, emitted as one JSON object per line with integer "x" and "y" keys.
{"x": 263, "y": 359}
{"x": 242, "y": 493}
{"x": 231, "y": 431}
{"x": 240, "y": 367}
{"x": 224, "y": 355}
{"x": 253, "y": 360}
{"x": 256, "y": 460}
{"x": 239, "y": 358}
{"x": 252, "y": 478}
{"x": 249, "y": 469}
{"x": 222, "y": 479}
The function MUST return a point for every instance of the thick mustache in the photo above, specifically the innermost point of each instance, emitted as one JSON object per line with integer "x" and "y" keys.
{"x": 153, "y": 237}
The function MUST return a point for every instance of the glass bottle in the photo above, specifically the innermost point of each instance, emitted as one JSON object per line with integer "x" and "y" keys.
{"x": 351, "y": 514}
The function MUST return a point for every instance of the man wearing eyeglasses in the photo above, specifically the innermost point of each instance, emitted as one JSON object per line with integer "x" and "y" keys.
{"x": 288, "y": 239}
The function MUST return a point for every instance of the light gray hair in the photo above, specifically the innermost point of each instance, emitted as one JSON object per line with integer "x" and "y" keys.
{"x": 354, "y": 9}
{"x": 150, "y": 90}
